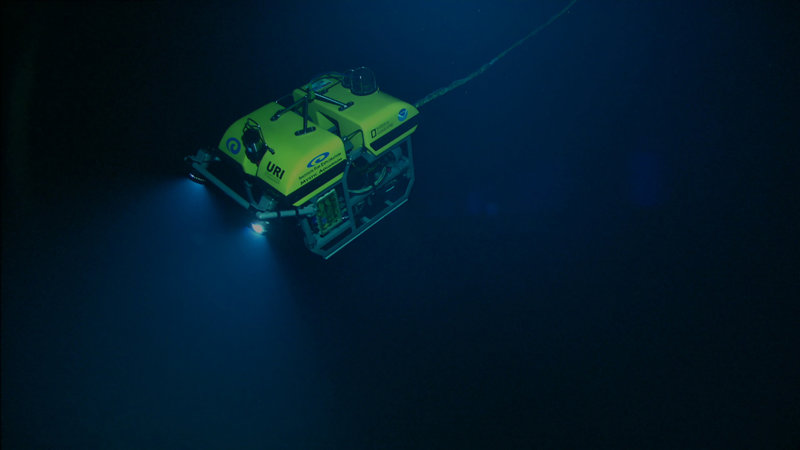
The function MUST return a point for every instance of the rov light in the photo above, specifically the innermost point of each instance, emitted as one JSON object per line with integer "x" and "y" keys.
{"x": 196, "y": 177}
{"x": 259, "y": 227}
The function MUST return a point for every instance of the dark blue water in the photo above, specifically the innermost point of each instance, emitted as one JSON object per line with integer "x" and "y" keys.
{"x": 600, "y": 251}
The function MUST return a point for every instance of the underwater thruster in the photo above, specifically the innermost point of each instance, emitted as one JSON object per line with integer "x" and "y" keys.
{"x": 335, "y": 154}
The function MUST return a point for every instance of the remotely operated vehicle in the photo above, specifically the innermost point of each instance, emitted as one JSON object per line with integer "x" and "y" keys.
{"x": 334, "y": 154}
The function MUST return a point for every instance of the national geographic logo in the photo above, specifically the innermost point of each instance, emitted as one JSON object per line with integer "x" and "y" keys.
{"x": 382, "y": 128}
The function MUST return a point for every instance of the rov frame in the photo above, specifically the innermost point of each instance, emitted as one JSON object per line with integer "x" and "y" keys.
{"x": 337, "y": 226}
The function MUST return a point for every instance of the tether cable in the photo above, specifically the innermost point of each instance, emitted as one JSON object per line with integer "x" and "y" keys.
{"x": 441, "y": 91}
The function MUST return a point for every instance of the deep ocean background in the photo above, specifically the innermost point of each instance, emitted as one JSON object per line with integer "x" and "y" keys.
{"x": 601, "y": 250}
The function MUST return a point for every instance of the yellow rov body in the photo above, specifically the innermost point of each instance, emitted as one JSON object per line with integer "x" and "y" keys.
{"x": 335, "y": 154}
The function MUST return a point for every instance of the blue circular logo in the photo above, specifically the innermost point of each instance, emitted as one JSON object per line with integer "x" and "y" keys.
{"x": 317, "y": 159}
{"x": 401, "y": 116}
{"x": 233, "y": 145}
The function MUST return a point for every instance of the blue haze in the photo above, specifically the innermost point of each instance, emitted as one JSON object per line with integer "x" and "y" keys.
{"x": 600, "y": 251}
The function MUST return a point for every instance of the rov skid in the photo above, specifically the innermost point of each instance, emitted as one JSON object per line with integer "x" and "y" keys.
{"x": 335, "y": 155}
